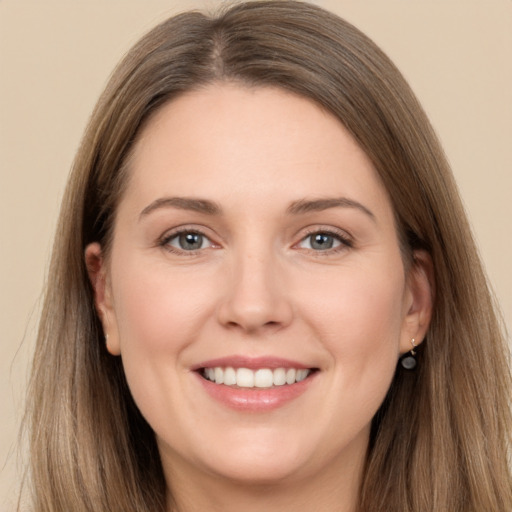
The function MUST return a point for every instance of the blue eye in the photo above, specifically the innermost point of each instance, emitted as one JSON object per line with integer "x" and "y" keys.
{"x": 323, "y": 241}
{"x": 188, "y": 241}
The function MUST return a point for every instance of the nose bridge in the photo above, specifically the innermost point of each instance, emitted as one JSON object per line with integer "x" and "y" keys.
{"x": 255, "y": 297}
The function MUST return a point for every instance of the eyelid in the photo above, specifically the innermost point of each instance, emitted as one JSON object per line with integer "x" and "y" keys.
{"x": 345, "y": 239}
{"x": 163, "y": 240}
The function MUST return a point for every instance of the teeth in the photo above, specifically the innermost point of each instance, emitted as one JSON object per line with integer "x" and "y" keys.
{"x": 219, "y": 376}
{"x": 301, "y": 375}
{"x": 229, "y": 377}
{"x": 244, "y": 378}
{"x": 279, "y": 377}
{"x": 261, "y": 378}
{"x": 290, "y": 375}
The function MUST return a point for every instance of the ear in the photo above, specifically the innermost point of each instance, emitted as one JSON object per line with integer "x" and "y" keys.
{"x": 419, "y": 300}
{"x": 98, "y": 275}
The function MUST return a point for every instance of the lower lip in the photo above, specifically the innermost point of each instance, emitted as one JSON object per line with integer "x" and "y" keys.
{"x": 256, "y": 399}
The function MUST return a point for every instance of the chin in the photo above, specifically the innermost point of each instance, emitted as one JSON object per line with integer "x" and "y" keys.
{"x": 260, "y": 472}
{"x": 270, "y": 460}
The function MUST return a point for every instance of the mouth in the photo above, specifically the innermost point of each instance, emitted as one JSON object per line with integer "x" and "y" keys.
{"x": 261, "y": 378}
{"x": 255, "y": 384}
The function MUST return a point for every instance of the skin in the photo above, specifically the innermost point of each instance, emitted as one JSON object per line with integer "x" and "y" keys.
{"x": 257, "y": 287}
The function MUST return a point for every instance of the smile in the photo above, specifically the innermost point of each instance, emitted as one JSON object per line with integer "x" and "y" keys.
{"x": 255, "y": 384}
{"x": 257, "y": 378}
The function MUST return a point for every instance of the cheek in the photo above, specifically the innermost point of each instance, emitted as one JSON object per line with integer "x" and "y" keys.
{"x": 159, "y": 314}
{"x": 359, "y": 322}
{"x": 359, "y": 315}
{"x": 157, "y": 310}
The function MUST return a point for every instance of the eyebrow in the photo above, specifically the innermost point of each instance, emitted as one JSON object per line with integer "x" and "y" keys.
{"x": 183, "y": 203}
{"x": 318, "y": 205}
{"x": 296, "y": 208}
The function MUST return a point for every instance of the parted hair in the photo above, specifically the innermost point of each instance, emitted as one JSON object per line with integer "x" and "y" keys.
{"x": 441, "y": 439}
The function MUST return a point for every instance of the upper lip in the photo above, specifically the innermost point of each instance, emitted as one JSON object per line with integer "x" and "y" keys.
{"x": 253, "y": 363}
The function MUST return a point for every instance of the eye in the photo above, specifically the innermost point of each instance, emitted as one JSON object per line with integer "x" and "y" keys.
{"x": 324, "y": 241}
{"x": 187, "y": 241}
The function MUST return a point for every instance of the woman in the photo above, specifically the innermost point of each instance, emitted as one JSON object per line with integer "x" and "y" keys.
{"x": 264, "y": 292}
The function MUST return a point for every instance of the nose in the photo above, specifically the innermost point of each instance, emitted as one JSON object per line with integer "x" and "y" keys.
{"x": 255, "y": 300}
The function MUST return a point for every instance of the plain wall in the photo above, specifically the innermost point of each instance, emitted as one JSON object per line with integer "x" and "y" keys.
{"x": 55, "y": 57}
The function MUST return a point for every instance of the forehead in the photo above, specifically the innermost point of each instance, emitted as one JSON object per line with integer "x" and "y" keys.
{"x": 232, "y": 141}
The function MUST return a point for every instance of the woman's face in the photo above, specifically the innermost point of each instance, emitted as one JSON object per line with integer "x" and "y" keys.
{"x": 255, "y": 289}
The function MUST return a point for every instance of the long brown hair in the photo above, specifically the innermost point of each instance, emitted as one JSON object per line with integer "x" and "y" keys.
{"x": 441, "y": 439}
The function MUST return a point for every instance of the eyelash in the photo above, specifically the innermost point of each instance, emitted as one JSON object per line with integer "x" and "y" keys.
{"x": 167, "y": 238}
{"x": 345, "y": 242}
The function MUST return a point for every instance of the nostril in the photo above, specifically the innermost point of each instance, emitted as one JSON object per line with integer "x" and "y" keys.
{"x": 254, "y": 326}
{"x": 255, "y": 299}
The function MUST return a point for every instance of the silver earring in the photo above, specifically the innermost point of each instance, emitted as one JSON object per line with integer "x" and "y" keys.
{"x": 409, "y": 360}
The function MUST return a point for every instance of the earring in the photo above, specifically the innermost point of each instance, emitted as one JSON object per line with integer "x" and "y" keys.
{"x": 409, "y": 360}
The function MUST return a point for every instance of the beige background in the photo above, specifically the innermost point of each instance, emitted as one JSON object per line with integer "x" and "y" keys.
{"x": 55, "y": 57}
